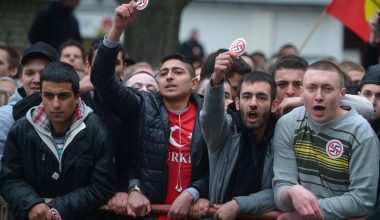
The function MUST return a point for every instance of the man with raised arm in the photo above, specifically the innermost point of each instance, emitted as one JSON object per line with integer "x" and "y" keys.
{"x": 169, "y": 164}
{"x": 238, "y": 143}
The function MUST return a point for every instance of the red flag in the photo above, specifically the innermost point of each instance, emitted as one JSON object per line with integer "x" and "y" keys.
{"x": 354, "y": 14}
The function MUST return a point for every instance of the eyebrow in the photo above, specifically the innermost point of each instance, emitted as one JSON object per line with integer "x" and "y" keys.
{"x": 174, "y": 68}
{"x": 63, "y": 92}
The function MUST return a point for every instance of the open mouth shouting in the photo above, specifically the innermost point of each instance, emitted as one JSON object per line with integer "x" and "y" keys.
{"x": 252, "y": 117}
{"x": 319, "y": 110}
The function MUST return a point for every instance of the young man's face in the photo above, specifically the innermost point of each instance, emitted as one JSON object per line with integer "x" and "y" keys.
{"x": 31, "y": 73}
{"x": 73, "y": 56}
{"x": 175, "y": 81}
{"x": 372, "y": 93}
{"x": 322, "y": 95}
{"x": 254, "y": 105}
{"x": 59, "y": 102}
{"x": 289, "y": 82}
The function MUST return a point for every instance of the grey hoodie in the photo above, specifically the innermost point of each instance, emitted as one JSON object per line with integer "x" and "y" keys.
{"x": 6, "y": 118}
{"x": 46, "y": 136}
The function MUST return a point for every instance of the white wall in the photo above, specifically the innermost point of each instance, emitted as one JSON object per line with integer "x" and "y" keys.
{"x": 265, "y": 27}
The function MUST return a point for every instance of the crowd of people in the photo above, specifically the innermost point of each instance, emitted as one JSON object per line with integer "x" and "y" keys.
{"x": 240, "y": 134}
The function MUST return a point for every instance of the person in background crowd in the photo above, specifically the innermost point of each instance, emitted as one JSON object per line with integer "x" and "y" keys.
{"x": 4, "y": 97}
{"x": 288, "y": 49}
{"x": 137, "y": 67}
{"x": 192, "y": 49}
{"x": 55, "y": 23}
{"x": 8, "y": 84}
{"x": 260, "y": 60}
{"x": 371, "y": 49}
{"x": 141, "y": 80}
{"x": 72, "y": 52}
{"x": 354, "y": 70}
{"x": 248, "y": 60}
{"x": 370, "y": 89}
{"x": 287, "y": 73}
{"x": 9, "y": 61}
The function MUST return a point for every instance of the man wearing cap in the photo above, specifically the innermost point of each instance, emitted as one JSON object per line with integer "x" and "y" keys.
{"x": 34, "y": 60}
{"x": 370, "y": 89}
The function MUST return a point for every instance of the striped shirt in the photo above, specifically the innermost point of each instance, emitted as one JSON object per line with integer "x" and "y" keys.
{"x": 337, "y": 161}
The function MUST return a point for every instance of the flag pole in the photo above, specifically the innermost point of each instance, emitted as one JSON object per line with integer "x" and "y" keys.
{"x": 316, "y": 25}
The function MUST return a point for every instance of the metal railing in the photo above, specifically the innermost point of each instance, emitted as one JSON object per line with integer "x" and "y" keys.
{"x": 159, "y": 209}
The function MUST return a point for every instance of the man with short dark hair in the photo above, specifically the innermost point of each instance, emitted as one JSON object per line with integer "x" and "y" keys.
{"x": 326, "y": 159}
{"x": 58, "y": 151}
{"x": 169, "y": 162}
{"x": 287, "y": 72}
{"x": 238, "y": 143}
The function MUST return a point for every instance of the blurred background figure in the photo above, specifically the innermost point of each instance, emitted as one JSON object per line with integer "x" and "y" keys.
{"x": 7, "y": 84}
{"x": 248, "y": 60}
{"x": 192, "y": 49}
{"x": 288, "y": 49}
{"x": 354, "y": 70}
{"x": 4, "y": 97}
{"x": 72, "y": 52}
{"x": 8, "y": 87}
{"x": 259, "y": 59}
{"x": 140, "y": 76}
{"x": 9, "y": 62}
{"x": 55, "y": 23}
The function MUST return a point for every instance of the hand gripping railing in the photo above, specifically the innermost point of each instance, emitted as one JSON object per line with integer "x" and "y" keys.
{"x": 158, "y": 209}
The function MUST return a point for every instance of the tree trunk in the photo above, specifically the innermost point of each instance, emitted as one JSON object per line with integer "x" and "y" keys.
{"x": 154, "y": 32}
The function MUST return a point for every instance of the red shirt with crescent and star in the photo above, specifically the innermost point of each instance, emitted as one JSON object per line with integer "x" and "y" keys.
{"x": 178, "y": 158}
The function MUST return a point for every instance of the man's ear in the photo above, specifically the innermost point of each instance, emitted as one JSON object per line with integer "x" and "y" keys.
{"x": 194, "y": 82}
{"x": 237, "y": 102}
{"x": 343, "y": 92}
{"x": 275, "y": 105}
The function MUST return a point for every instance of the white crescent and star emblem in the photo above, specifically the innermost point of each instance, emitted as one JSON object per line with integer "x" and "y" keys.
{"x": 172, "y": 141}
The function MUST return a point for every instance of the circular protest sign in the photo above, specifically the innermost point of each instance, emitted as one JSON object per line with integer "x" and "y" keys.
{"x": 141, "y": 4}
{"x": 238, "y": 46}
